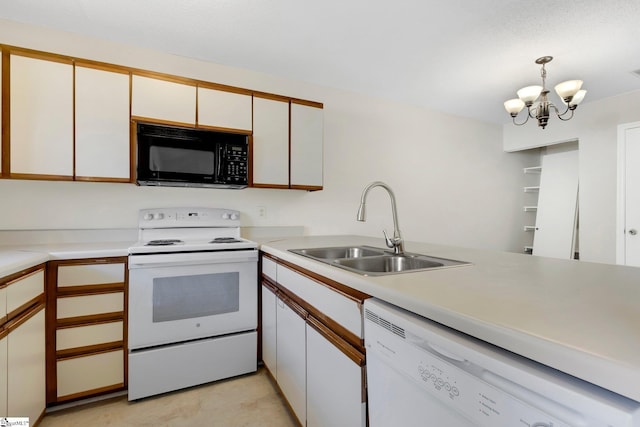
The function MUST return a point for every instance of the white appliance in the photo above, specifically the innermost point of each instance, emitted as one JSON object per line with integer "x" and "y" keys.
{"x": 192, "y": 307}
{"x": 420, "y": 373}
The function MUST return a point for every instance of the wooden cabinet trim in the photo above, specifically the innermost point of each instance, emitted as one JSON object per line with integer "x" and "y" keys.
{"x": 40, "y": 299}
{"x": 91, "y": 393}
{"x": 53, "y": 324}
{"x": 307, "y": 103}
{"x": 306, "y": 187}
{"x": 224, "y": 88}
{"x": 293, "y": 305}
{"x": 89, "y": 350}
{"x": 37, "y": 54}
{"x": 340, "y": 330}
{"x": 92, "y": 319}
{"x": 103, "y": 288}
{"x": 269, "y": 284}
{"x": 15, "y": 323}
{"x": 103, "y": 66}
{"x": 356, "y": 355}
{"x": 7, "y": 280}
{"x": 344, "y": 290}
{"x": 226, "y": 130}
{"x": 136, "y": 119}
{"x": 90, "y": 261}
{"x": 271, "y": 96}
{"x": 5, "y": 147}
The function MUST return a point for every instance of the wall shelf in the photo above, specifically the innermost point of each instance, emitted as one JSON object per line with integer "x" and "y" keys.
{"x": 530, "y": 208}
{"x": 533, "y": 170}
{"x": 529, "y": 228}
{"x": 531, "y": 189}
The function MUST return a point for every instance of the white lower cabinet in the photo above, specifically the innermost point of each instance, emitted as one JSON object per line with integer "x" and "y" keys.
{"x": 319, "y": 369}
{"x": 291, "y": 360}
{"x": 269, "y": 328}
{"x": 334, "y": 384}
{"x": 3, "y": 375}
{"x": 26, "y": 368}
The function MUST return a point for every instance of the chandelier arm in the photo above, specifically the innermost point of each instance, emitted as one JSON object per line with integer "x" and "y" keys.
{"x": 520, "y": 124}
{"x": 561, "y": 116}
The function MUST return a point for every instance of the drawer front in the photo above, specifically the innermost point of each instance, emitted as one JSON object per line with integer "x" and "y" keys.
{"x": 82, "y": 374}
{"x": 90, "y": 304}
{"x": 90, "y": 274}
{"x": 3, "y": 305}
{"x": 269, "y": 268}
{"x": 83, "y": 336}
{"x": 341, "y": 309}
{"x": 24, "y": 289}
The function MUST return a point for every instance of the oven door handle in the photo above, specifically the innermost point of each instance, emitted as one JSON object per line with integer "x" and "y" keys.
{"x": 191, "y": 258}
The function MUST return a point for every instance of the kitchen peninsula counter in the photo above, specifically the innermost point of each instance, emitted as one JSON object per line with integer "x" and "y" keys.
{"x": 578, "y": 317}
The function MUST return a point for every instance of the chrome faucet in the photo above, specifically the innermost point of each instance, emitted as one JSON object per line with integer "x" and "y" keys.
{"x": 396, "y": 242}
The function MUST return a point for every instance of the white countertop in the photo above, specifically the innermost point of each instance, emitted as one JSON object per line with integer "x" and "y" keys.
{"x": 19, "y": 257}
{"x": 13, "y": 261}
{"x": 578, "y": 317}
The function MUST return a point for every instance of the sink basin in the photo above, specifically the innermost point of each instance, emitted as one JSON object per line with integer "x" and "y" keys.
{"x": 339, "y": 252}
{"x": 370, "y": 261}
{"x": 388, "y": 264}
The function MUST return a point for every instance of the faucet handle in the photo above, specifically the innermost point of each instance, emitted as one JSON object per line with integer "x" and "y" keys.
{"x": 394, "y": 243}
{"x": 391, "y": 243}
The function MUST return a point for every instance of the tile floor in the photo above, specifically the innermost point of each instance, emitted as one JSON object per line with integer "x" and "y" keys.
{"x": 247, "y": 401}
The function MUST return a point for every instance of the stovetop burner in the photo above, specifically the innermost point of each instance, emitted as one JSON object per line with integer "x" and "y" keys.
{"x": 164, "y": 242}
{"x": 225, "y": 240}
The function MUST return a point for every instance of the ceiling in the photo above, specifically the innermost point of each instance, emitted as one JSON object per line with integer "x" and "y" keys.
{"x": 463, "y": 57}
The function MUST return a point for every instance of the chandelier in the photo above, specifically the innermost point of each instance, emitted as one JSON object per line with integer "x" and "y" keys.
{"x": 538, "y": 106}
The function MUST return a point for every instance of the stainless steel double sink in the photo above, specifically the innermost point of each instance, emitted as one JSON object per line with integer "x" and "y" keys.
{"x": 371, "y": 261}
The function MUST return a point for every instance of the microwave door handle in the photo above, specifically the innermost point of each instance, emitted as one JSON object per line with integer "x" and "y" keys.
{"x": 219, "y": 159}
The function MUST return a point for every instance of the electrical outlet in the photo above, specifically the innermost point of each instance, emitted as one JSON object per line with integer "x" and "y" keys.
{"x": 262, "y": 211}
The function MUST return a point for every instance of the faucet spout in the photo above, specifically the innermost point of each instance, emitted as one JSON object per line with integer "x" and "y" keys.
{"x": 396, "y": 243}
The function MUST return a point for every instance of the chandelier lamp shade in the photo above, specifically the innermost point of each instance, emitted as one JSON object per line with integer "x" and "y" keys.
{"x": 536, "y": 100}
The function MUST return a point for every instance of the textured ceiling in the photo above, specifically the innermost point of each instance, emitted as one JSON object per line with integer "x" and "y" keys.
{"x": 459, "y": 56}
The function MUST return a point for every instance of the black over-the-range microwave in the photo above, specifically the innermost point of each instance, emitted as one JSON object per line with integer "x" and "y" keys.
{"x": 187, "y": 157}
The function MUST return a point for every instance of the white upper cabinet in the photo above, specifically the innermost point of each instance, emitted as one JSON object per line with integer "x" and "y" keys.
{"x": 102, "y": 124}
{"x": 41, "y": 105}
{"x": 270, "y": 142}
{"x": 163, "y": 100}
{"x": 307, "y": 126}
{"x": 226, "y": 110}
{"x": 1, "y": 136}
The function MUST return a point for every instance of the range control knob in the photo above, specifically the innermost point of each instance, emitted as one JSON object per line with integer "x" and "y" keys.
{"x": 226, "y": 215}
{"x": 234, "y": 216}
{"x": 158, "y": 215}
{"x": 148, "y": 217}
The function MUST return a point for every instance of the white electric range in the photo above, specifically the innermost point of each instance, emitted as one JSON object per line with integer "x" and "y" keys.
{"x": 192, "y": 307}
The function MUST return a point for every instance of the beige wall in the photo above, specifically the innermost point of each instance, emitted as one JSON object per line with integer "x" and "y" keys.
{"x": 453, "y": 182}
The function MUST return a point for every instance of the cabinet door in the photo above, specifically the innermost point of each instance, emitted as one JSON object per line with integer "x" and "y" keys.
{"x": 23, "y": 291}
{"x": 163, "y": 100}
{"x": 3, "y": 373}
{"x": 269, "y": 354}
{"x": 226, "y": 110}
{"x": 291, "y": 360}
{"x": 306, "y": 146}
{"x": 102, "y": 124}
{"x": 41, "y": 126}
{"x": 26, "y": 368}
{"x": 78, "y": 376}
{"x": 334, "y": 383}
{"x": 270, "y": 143}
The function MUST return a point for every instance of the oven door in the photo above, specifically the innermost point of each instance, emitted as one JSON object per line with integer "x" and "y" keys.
{"x": 177, "y": 297}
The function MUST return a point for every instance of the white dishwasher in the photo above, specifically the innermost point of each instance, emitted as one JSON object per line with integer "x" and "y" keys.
{"x": 420, "y": 373}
